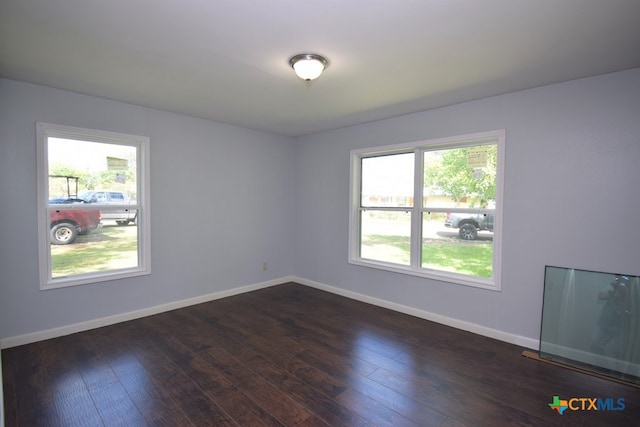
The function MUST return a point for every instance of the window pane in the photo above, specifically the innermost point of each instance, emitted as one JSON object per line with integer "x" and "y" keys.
{"x": 110, "y": 247}
{"x": 75, "y": 167}
{"x": 460, "y": 177}
{"x": 92, "y": 202}
{"x": 385, "y": 236}
{"x": 387, "y": 180}
{"x": 452, "y": 249}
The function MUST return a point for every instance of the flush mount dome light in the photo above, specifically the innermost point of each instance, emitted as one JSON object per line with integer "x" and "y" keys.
{"x": 308, "y": 66}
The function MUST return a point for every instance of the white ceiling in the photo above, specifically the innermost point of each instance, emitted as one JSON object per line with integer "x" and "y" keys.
{"x": 227, "y": 60}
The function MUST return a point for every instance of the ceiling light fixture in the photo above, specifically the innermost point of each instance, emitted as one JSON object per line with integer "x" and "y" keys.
{"x": 308, "y": 66}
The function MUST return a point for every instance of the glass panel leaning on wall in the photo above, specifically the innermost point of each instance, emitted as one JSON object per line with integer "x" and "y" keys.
{"x": 590, "y": 321}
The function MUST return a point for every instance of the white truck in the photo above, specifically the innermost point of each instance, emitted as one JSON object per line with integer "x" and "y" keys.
{"x": 108, "y": 197}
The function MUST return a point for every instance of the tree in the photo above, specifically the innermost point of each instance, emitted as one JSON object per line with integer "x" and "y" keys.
{"x": 447, "y": 172}
{"x": 119, "y": 180}
{"x": 58, "y": 187}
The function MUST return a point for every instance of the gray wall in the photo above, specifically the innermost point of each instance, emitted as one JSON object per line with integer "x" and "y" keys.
{"x": 221, "y": 200}
{"x": 224, "y": 200}
{"x": 571, "y": 197}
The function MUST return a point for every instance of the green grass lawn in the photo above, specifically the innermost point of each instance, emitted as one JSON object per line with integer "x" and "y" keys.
{"x": 107, "y": 248}
{"x": 115, "y": 247}
{"x": 474, "y": 258}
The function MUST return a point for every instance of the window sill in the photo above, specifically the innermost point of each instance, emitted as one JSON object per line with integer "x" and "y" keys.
{"x": 443, "y": 276}
{"x": 85, "y": 279}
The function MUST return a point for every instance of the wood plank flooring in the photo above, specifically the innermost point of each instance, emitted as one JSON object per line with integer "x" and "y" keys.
{"x": 291, "y": 355}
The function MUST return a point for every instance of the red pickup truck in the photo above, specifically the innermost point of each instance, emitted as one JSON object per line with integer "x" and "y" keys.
{"x": 66, "y": 224}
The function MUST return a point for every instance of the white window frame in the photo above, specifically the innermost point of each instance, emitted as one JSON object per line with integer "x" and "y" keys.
{"x": 141, "y": 143}
{"x": 492, "y": 137}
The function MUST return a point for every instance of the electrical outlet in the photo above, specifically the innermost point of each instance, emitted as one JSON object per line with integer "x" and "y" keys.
{"x": 264, "y": 266}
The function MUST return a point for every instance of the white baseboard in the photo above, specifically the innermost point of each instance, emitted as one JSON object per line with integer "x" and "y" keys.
{"x": 449, "y": 321}
{"x": 123, "y": 317}
{"x": 111, "y": 320}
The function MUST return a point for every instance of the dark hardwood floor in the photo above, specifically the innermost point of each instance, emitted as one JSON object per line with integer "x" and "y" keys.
{"x": 292, "y": 355}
